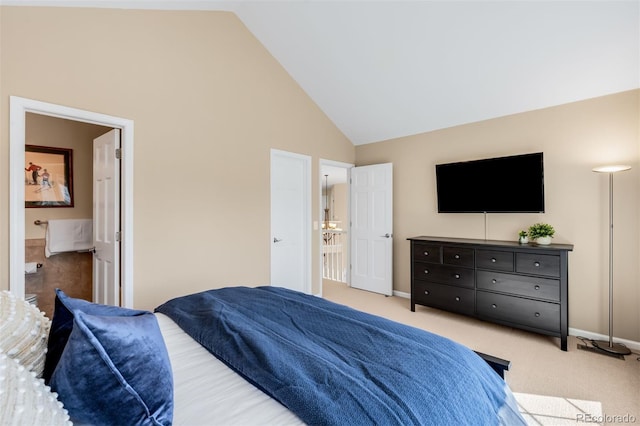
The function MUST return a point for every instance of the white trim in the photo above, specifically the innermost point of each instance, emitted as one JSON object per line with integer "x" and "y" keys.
{"x": 306, "y": 221}
{"x": 17, "y": 117}
{"x": 402, "y": 294}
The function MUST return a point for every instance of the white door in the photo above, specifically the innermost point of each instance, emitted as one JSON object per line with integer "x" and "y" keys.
{"x": 372, "y": 228}
{"x": 291, "y": 221}
{"x": 106, "y": 219}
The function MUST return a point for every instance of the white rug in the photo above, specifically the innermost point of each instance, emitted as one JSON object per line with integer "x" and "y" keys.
{"x": 550, "y": 410}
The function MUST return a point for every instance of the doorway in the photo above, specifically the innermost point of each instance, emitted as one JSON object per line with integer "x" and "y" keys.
{"x": 335, "y": 222}
{"x": 19, "y": 107}
{"x": 45, "y": 234}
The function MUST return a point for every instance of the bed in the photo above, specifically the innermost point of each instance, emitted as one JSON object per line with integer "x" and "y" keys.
{"x": 263, "y": 355}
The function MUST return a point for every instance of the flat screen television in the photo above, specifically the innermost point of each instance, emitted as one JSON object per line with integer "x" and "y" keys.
{"x": 513, "y": 184}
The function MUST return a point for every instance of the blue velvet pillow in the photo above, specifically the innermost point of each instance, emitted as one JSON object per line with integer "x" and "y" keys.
{"x": 62, "y": 324}
{"x": 115, "y": 370}
{"x": 111, "y": 363}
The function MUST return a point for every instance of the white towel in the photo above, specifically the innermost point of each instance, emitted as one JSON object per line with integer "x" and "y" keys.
{"x": 68, "y": 235}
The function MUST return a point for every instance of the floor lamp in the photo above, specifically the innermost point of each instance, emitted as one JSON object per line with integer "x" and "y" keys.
{"x": 609, "y": 346}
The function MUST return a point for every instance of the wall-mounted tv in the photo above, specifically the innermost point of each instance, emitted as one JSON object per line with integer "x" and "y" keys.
{"x": 513, "y": 184}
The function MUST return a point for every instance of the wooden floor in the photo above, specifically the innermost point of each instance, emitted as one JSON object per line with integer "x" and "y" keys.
{"x": 70, "y": 272}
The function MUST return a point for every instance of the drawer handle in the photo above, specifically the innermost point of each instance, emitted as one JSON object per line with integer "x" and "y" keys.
{"x": 494, "y": 306}
{"x": 457, "y": 256}
{"x": 426, "y": 292}
{"x": 457, "y": 276}
{"x": 494, "y": 281}
{"x": 537, "y": 314}
{"x": 457, "y": 299}
{"x": 493, "y": 260}
{"x": 426, "y": 271}
{"x": 537, "y": 287}
{"x": 536, "y": 264}
{"x": 426, "y": 253}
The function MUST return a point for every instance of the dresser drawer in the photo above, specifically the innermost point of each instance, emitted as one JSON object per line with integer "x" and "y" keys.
{"x": 538, "y": 264}
{"x": 455, "y": 299}
{"x": 458, "y": 256}
{"x": 494, "y": 259}
{"x": 427, "y": 253}
{"x": 444, "y": 274}
{"x": 520, "y": 286}
{"x": 527, "y": 312}
{"x": 539, "y": 288}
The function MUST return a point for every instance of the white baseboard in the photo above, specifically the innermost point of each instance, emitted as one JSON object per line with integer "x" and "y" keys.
{"x": 402, "y": 294}
{"x": 634, "y": 346}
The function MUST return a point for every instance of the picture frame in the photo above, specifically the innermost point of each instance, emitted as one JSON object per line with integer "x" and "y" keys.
{"x": 48, "y": 176}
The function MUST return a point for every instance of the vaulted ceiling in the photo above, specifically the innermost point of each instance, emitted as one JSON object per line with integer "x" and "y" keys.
{"x": 386, "y": 69}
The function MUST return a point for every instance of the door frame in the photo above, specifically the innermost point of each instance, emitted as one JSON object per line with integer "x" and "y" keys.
{"x": 321, "y": 163}
{"x": 17, "y": 126}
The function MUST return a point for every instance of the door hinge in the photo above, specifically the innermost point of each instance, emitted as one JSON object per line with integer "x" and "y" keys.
{"x": 119, "y": 153}
{"x": 118, "y": 235}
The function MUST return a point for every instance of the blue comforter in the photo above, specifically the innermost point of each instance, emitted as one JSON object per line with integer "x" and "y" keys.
{"x": 333, "y": 365}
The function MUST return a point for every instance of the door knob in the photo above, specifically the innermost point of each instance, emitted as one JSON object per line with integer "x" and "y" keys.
{"x": 276, "y": 240}
{"x": 387, "y": 235}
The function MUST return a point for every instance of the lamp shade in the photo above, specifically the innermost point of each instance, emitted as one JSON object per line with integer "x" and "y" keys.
{"x": 611, "y": 169}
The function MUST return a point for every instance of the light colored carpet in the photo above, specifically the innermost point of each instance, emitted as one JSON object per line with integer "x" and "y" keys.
{"x": 552, "y": 410}
{"x": 538, "y": 367}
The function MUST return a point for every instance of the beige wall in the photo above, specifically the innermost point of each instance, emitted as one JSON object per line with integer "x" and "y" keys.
{"x": 340, "y": 197}
{"x": 56, "y": 132}
{"x": 574, "y": 138}
{"x": 208, "y": 103}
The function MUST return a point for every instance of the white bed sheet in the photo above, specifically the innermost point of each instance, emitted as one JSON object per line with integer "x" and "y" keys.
{"x": 207, "y": 392}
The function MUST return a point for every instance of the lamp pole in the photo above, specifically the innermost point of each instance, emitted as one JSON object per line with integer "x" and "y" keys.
{"x": 609, "y": 346}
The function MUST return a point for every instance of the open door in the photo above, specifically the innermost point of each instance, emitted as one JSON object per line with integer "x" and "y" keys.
{"x": 372, "y": 228}
{"x": 106, "y": 218}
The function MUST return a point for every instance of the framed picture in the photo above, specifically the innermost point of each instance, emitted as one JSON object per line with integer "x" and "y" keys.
{"x": 48, "y": 178}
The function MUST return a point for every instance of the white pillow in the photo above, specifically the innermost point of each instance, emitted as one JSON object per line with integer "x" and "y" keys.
{"x": 24, "y": 331}
{"x": 24, "y": 398}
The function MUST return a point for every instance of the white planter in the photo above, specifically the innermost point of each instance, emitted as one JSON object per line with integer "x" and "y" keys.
{"x": 543, "y": 241}
{"x": 524, "y": 240}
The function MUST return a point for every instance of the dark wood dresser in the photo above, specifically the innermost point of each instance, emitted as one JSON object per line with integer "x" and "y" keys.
{"x": 519, "y": 285}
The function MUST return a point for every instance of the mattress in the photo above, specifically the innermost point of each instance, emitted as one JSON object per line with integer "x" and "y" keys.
{"x": 208, "y": 392}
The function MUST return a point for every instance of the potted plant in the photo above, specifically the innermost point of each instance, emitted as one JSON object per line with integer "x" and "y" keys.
{"x": 523, "y": 237}
{"x": 541, "y": 233}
